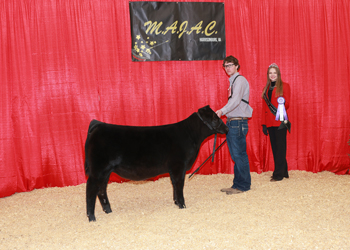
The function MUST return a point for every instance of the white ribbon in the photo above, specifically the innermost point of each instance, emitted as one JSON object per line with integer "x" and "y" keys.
{"x": 281, "y": 113}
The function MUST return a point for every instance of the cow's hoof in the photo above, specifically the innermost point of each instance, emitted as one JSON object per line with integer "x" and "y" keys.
{"x": 91, "y": 218}
{"x": 181, "y": 206}
{"x": 107, "y": 210}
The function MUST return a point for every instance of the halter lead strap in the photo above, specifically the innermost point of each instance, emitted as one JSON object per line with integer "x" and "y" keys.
{"x": 211, "y": 128}
{"x": 212, "y": 160}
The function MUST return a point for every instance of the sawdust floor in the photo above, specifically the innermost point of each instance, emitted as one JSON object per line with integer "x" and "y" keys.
{"x": 306, "y": 211}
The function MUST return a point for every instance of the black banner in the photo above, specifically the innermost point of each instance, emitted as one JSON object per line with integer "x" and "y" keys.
{"x": 164, "y": 31}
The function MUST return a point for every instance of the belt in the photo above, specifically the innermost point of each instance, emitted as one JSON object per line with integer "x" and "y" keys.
{"x": 237, "y": 118}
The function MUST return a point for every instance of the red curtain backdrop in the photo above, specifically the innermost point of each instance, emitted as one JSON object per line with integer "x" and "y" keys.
{"x": 64, "y": 63}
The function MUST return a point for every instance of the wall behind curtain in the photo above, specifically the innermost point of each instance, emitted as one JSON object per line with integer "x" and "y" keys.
{"x": 64, "y": 63}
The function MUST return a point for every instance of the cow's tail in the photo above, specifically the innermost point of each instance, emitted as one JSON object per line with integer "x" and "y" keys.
{"x": 92, "y": 126}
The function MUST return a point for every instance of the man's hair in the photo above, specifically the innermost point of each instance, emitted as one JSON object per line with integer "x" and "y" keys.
{"x": 231, "y": 59}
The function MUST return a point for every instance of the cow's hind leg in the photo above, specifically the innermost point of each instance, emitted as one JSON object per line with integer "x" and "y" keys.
{"x": 102, "y": 196}
{"x": 178, "y": 181}
{"x": 92, "y": 189}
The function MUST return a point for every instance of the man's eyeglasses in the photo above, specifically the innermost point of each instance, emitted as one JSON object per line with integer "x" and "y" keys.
{"x": 228, "y": 65}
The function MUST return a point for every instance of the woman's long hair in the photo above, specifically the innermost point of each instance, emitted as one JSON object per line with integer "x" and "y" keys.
{"x": 279, "y": 82}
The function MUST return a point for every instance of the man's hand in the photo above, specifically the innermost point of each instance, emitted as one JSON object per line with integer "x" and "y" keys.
{"x": 219, "y": 113}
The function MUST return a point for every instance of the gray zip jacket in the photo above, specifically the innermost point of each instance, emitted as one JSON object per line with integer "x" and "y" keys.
{"x": 235, "y": 107}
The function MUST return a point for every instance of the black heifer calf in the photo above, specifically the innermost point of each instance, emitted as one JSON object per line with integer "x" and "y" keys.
{"x": 139, "y": 153}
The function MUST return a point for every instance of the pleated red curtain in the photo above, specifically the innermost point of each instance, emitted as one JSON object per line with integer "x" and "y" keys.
{"x": 64, "y": 63}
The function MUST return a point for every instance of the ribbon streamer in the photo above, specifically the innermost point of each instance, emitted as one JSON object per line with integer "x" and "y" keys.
{"x": 281, "y": 113}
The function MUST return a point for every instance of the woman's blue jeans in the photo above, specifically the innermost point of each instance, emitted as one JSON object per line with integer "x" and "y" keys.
{"x": 236, "y": 141}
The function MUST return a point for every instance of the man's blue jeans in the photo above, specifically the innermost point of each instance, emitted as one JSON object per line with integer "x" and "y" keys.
{"x": 236, "y": 141}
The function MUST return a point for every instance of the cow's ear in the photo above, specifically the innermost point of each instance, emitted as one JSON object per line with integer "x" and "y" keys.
{"x": 208, "y": 108}
{"x": 200, "y": 111}
{"x": 204, "y": 108}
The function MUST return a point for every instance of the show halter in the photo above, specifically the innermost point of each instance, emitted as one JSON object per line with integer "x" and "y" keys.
{"x": 212, "y": 155}
{"x": 214, "y": 150}
{"x": 211, "y": 128}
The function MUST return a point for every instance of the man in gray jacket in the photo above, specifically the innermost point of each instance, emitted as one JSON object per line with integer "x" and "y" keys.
{"x": 237, "y": 111}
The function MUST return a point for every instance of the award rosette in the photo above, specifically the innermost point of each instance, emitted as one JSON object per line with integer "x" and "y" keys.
{"x": 281, "y": 114}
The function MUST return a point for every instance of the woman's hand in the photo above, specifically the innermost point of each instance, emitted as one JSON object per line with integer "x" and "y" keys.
{"x": 264, "y": 129}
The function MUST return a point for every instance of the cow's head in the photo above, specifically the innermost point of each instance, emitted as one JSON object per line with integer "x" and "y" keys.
{"x": 208, "y": 116}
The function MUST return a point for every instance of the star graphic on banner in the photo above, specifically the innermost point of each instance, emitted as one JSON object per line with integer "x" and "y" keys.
{"x": 143, "y": 49}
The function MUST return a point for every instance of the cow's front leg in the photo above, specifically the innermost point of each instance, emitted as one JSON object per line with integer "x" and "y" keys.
{"x": 91, "y": 193}
{"x": 102, "y": 196}
{"x": 178, "y": 181}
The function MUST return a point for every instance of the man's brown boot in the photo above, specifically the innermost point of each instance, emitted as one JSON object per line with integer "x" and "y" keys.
{"x": 227, "y": 189}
